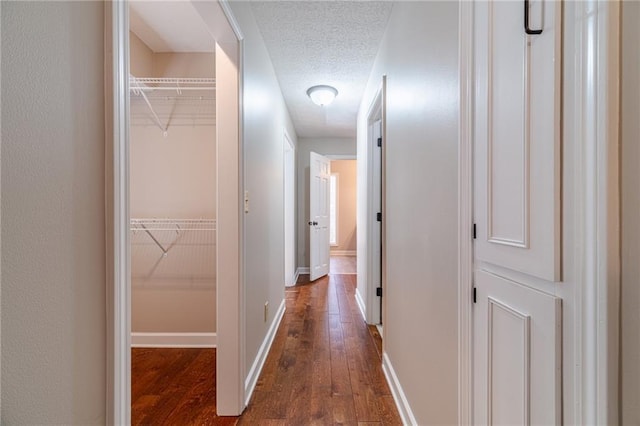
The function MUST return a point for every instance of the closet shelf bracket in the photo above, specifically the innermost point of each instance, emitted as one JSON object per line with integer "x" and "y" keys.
{"x": 141, "y": 86}
{"x": 138, "y": 89}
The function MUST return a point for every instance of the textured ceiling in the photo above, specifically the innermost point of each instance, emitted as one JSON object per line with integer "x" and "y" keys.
{"x": 322, "y": 42}
{"x": 155, "y": 23}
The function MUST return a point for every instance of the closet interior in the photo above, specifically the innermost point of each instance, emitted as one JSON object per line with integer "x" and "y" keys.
{"x": 172, "y": 191}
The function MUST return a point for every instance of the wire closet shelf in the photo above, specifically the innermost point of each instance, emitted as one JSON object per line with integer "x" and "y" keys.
{"x": 178, "y": 249}
{"x": 173, "y": 225}
{"x": 149, "y": 84}
{"x": 175, "y": 101}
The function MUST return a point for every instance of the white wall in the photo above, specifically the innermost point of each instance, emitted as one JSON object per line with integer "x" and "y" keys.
{"x": 146, "y": 63}
{"x": 630, "y": 327}
{"x": 265, "y": 118}
{"x": 53, "y": 257}
{"x": 331, "y": 146}
{"x": 173, "y": 176}
{"x": 419, "y": 56}
{"x": 140, "y": 57}
{"x": 0, "y": 215}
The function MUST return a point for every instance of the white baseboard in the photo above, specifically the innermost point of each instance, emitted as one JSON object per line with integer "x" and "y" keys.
{"x": 173, "y": 340}
{"x": 361, "y": 305}
{"x": 303, "y": 270}
{"x": 258, "y": 363}
{"x": 398, "y": 394}
{"x": 380, "y": 330}
{"x": 342, "y": 253}
{"x": 296, "y": 275}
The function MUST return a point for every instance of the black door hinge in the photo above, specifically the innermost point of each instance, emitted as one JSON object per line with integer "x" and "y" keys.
{"x": 380, "y": 142}
{"x": 474, "y": 231}
{"x": 379, "y": 217}
{"x": 474, "y": 295}
{"x": 379, "y": 291}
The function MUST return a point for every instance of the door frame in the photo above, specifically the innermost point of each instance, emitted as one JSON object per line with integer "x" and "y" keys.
{"x": 377, "y": 111}
{"x": 343, "y": 157}
{"x": 595, "y": 121}
{"x": 230, "y": 334}
{"x": 465, "y": 215}
{"x": 289, "y": 147}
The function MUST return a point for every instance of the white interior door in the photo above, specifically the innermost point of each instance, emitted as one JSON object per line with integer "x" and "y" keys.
{"x": 319, "y": 175}
{"x": 517, "y": 318}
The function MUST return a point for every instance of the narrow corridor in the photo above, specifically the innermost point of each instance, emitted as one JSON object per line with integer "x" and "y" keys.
{"x": 324, "y": 366}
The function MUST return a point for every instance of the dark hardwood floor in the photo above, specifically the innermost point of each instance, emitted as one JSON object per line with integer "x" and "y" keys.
{"x": 324, "y": 367}
{"x": 174, "y": 387}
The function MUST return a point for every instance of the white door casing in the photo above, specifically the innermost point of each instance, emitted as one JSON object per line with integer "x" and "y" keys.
{"x": 372, "y": 274}
{"x": 376, "y": 271}
{"x": 230, "y": 374}
{"x": 289, "y": 211}
{"x": 516, "y": 322}
{"x": 319, "y": 175}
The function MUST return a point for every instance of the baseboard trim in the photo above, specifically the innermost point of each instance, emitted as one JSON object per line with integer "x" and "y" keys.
{"x": 261, "y": 357}
{"x": 303, "y": 270}
{"x": 361, "y": 305}
{"x": 398, "y": 394}
{"x": 342, "y": 253}
{"x": 173, "y": 340}
{"x": 296, "y": 275}
{"x": 380, "y": 330}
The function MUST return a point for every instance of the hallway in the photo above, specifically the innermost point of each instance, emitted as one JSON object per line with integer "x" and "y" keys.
{"x": 324, "y": 366}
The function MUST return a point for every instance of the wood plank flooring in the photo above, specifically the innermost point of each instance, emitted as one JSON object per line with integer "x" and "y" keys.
{"x": 342, "y": 265}
{"x": 174, "y": 387}
{"x": 324, "y": 367}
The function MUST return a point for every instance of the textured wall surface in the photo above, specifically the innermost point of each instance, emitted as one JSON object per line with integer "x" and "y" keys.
{"x": 53, "y": 255}
{"x": 630, "y": 330}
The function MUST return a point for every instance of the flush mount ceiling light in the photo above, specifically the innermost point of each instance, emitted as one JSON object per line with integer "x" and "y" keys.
{"x": 322, "y": 95}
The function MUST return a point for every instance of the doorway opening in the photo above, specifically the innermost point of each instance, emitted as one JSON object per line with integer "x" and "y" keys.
{"x": 342, "y": 222}
{"x": 172, "y": 204}
{"x": 171, "y": 216}
{"x": 375, "y": 215}
{"x": 328, "y": 203}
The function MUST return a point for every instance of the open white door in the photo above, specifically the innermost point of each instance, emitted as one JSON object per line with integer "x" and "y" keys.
{"x": 319, "y": 175}
{"x": 517, "y": 316}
